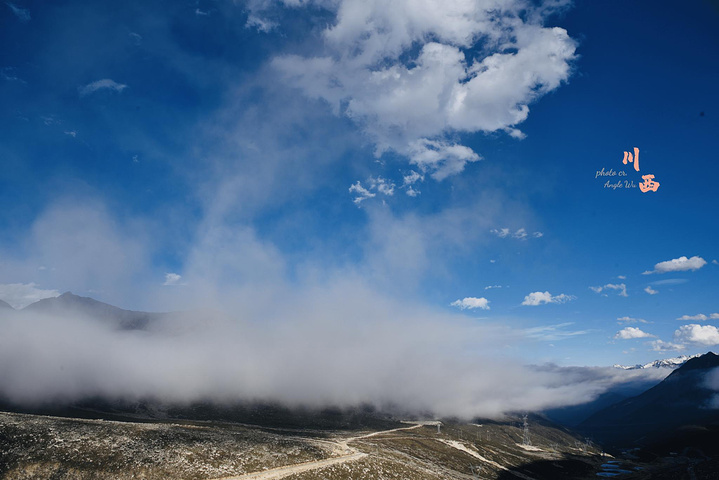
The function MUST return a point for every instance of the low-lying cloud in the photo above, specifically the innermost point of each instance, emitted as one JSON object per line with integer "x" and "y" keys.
{"x": 341, "y": 344}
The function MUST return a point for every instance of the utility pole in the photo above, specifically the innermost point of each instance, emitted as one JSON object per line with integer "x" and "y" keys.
{"x": 525, "y": 425}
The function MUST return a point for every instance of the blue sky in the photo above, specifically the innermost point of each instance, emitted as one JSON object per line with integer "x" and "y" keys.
{"x": 161, "y": 155}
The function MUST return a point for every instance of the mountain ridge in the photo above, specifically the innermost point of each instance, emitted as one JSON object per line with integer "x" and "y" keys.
{"x": 673, "y": 362}
{"x": 69, "y": 304}
{"x": 678, "y": 401}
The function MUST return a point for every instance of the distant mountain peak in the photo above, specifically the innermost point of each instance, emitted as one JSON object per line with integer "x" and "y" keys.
{"x": 673, "y": 362}
{"x": 71, "y": 305}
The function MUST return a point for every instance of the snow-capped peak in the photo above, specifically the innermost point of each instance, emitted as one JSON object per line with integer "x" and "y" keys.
{"x": 664, "y": 363}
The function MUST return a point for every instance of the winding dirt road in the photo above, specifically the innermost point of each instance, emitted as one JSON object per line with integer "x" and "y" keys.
{"x": 349, "y": 454}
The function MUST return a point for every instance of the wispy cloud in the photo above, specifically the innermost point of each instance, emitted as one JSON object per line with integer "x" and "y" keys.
{"x": 680, "y": 264}
{"x": 629, "y": 333}
{"x": 374, "y": 186}
{"x": 670, "y": 281}
{"x": 699, "y": 317}
{"x": 10, "y": 74}
{"x": 539, "y": 298}
{"x": 105, "y": 83}
{"x": 172, "y": 279}
{"x": 136, "y": 38}
{"x": 630, "y": 320}
{"x": 650, "y": 290}
{"x": 22, "y": 14}
{"x": 554, "y": 332}
{"x": 361, "y": 193}
{"x": 622, "y": 288}
{"x": 470, "y": 303}
{"x": 260, "y": 24}
{"x": 662, "y": 346}
{"x": 520, "y": 234}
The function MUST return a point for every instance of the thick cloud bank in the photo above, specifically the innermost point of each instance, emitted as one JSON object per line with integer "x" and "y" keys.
{"x": 339, "y": 345}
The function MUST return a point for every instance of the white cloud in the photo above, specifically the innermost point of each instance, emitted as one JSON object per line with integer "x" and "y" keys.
{"x": 362, "y": 193}
{"x": 412, "y": 177}
{"x": 552, "y": 333}
{"x": 378, "y": 184}
{"x": 383, "y": 351}
{"x": 440, "y": 158}
{"x": 699, "y": 334}
{"x": 501, "y": 233}
{"x": 651, "y": 291}
{"x": 630, "y": 320}
{"x": 622, "y": 277}
{"x": 694, "y": 318}
{"x": 715, "y": 262}
{"x": 520, "y": 233}
{"x": 409, "y": 180}
{"x": 612, "y": 286}
{"x": 172, "y": 279}
{"x": 105, "y": 83}
{"x": 488, "y": 287}
{"x": 661, "y": 346}
{"x": 630, "y": 333}
{"x": 400, "y": 72}
{"x": 471, "y": 303}
{"x": 539, "y": 298}
{"x": 383, "y": 186}
{"x": 261, "y": 24}
{"x": 670, "y": 281}
{"x": 20, "y": 295}
{"x": 22, "y": 14}
{"x": 680, "y": 264}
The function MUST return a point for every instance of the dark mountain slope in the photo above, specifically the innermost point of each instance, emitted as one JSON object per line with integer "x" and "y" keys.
{"x": 680, "y": 400}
